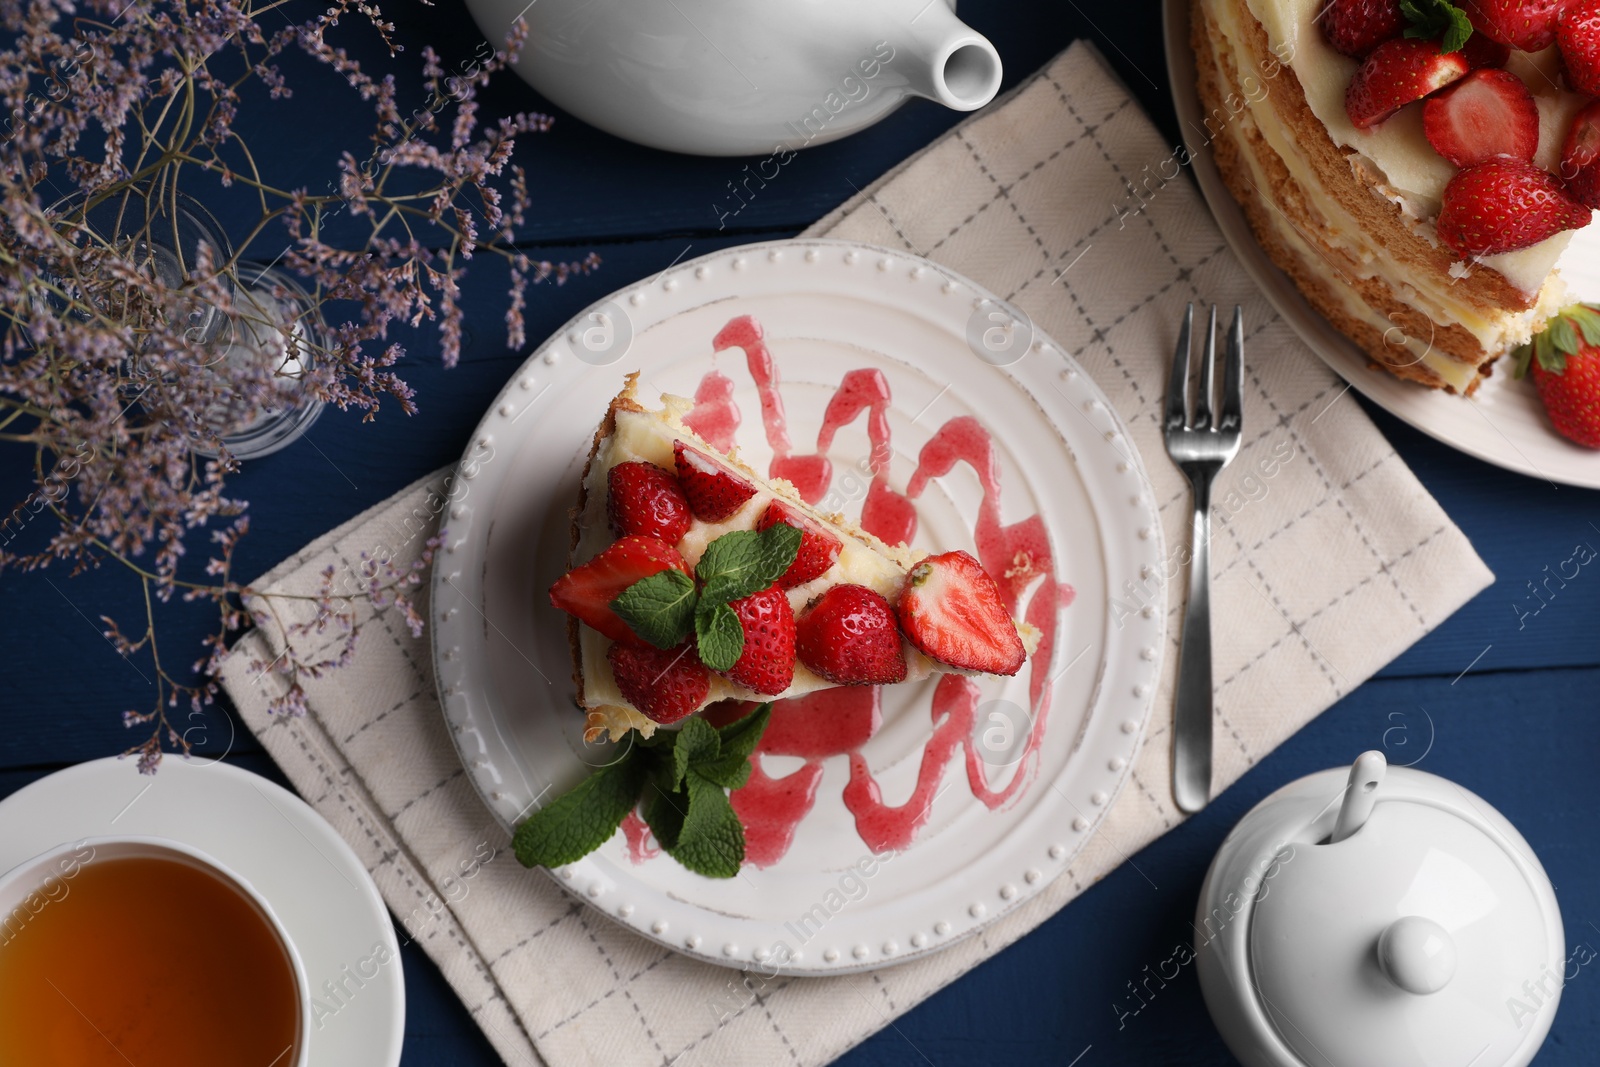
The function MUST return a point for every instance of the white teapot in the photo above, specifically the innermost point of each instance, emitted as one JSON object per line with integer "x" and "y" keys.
{"x": 1380, "y": 918}
{"x": 731, "y": 77}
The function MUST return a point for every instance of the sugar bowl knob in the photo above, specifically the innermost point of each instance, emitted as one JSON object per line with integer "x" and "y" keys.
{"x": 1417, "y": 954}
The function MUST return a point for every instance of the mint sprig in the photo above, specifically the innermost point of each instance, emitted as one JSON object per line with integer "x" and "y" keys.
{"x": 719, "y": 637}
{"x": 709, "y": 837}
{"x": 666, "y": 607}
{"x": 744, "y": 562}
{"x": 1437, "y": 19}
{"x": 580, "y": 821}
{"x": 680, "y": 778}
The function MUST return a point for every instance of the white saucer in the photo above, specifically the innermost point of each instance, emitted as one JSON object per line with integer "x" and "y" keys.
{"x": 317, "y": 887}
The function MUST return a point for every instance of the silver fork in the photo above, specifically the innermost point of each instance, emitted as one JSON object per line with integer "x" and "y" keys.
{"x": 1200, "y": 449}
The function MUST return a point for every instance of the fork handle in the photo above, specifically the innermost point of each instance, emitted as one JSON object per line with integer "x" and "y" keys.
{"x": 1192, "y": 710}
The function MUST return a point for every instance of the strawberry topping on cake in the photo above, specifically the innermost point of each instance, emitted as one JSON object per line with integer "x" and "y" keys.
{"x": 696, "y": 580}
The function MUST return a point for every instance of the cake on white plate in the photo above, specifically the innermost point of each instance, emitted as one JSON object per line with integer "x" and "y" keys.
{"x": 1416, "y": 169}
{"x": 657, "y": 587}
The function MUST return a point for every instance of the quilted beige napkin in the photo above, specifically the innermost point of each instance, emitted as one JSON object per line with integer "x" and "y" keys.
{"x": 1329, "y": 560}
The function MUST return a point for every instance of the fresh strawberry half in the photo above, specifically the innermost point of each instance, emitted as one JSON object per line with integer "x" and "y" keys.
{"x": 1579, "y": 37}
{"x": 1504, "y": 205}
{"x": 645, "y": 499}
{"x": 1356, "y": 27}
{"x": 587, "y": 591}
{"x": 1396, "y": 73}
{"x": 1564, "y": 360}
{"x": 951, "y": 609}
{"x": 766, "y": 665}
{"x": 1528, "y": 25}
{"x": 664, "y": 683}
{"x": 714, "y": 491}
{"x": 1488, "y": 113}
{"x": 818, "y": 547}
{"x": 849, "y": 636}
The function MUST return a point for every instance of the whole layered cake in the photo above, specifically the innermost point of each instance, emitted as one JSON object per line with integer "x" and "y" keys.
{"x": 1416, "y": 168}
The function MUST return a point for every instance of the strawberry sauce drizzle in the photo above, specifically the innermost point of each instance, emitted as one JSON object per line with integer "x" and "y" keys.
{"x": 840, "y": 721}
{"x": 641, "y": 845}
{"x": 810, "y": 474}
{"x": 715, "y": 416}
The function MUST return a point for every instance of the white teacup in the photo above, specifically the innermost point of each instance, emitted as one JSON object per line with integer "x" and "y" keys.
{"x": 46, "y": 879}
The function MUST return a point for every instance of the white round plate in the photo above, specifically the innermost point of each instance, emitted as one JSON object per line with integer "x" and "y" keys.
{"x": 1502, "y": 423}
{"x": 1061, "y": 454}
{"x": 317, "y": 887}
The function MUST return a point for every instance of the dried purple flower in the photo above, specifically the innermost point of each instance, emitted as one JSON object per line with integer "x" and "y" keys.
{"x": 109, "y": 369}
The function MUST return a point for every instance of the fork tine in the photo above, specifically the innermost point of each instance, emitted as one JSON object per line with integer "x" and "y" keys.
{"x": 1233, "y": 376}
{"x": 1178, "y": 382}
{"x": 1208, "y": 376}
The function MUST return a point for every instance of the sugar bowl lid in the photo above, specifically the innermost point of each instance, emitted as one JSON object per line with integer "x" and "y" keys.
{"x": 1387, "y": 918}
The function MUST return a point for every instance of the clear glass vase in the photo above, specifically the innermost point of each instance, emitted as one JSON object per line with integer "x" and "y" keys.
{"x": 275, "y": 326}
{"x": 250, "y": 333}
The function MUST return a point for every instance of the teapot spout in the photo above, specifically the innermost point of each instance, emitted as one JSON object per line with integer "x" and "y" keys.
{"x": 950, "y": 61}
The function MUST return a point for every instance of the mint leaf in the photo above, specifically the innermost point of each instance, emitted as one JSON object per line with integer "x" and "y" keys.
{"x": 659, "y": 608}
{"x": 726, "y": 772}
{"x": 581, "y": 820}
{"x": 719, "y": 635}
{"x": 731, "y": 768}
{"x": 743, "y": 562}
{"x": 665, "y": 815}
{"x": 687, "y": 808}
{"x": 660, "y": 755}
{"x": 711, "y": 838}
{"x": 742, "y": 735}
{"x": 1436, "y": 18}
{"x": 697, "y": 743}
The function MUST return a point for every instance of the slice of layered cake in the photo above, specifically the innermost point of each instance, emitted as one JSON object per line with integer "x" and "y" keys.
{"x": 693, "y": 579}
{"x": 1415, "y": 168}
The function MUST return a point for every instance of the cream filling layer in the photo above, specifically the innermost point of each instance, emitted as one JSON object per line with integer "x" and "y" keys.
{"x": 1452, "y": 372}
{"x": 1495, "y": 330}
{"x": 1415, "y": 175}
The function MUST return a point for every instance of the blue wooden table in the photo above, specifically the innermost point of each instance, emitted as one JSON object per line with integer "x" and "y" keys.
{"x": 1501, "y": 700}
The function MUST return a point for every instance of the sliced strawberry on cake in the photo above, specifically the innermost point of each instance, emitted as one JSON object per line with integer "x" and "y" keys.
{"x": 695, "y": 580}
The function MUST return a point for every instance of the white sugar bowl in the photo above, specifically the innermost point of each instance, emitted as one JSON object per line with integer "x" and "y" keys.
{"x": 1380, "y": 917}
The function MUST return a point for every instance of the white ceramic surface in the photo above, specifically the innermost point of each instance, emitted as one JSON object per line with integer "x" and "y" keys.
{"x": 268, "y": 840}
{"x": 828, "y": 307}
{"x": 39, "y": 877}
{"x": 1503, "y": 423}
{"x": 730, "y": 78}
{"x": 1430, "y": 937}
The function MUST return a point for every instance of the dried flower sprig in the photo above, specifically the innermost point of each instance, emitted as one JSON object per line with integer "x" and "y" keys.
{"x": 117, "y": 302}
